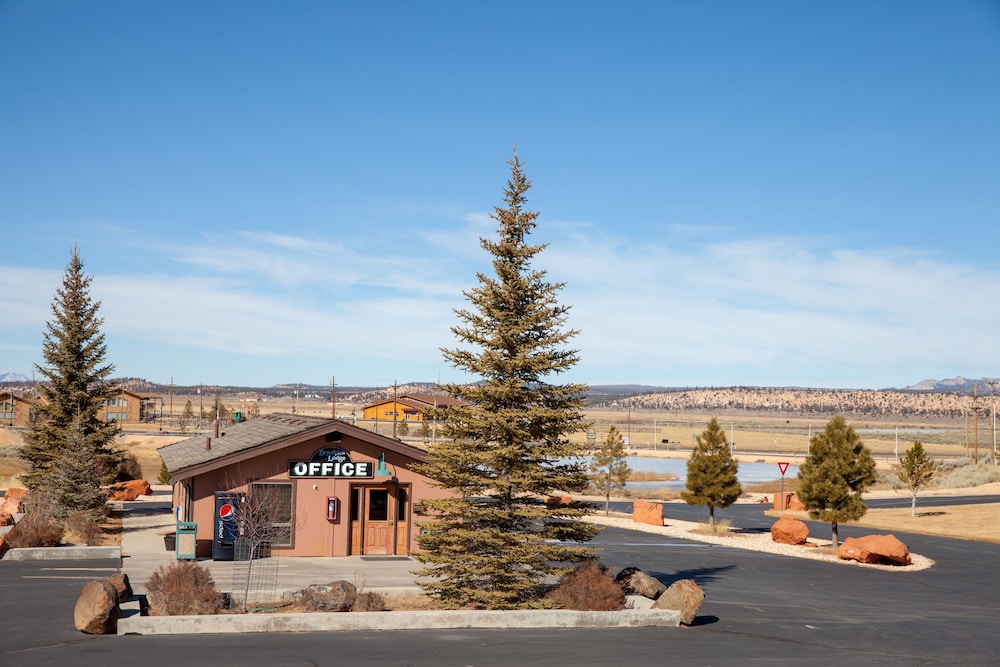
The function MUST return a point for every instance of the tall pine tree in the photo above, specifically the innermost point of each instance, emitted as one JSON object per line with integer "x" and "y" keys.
{"x": 711, "y": 472}
{"x": 836, "y": 472}
{"x": 495, "y": 541}
{"x": 75, "y": 388}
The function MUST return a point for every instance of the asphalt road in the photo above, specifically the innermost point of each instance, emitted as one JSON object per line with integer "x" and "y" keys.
{"x": 760, "y": 609}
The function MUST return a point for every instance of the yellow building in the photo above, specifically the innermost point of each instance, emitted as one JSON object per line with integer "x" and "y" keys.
{"x": 407, "y": 407}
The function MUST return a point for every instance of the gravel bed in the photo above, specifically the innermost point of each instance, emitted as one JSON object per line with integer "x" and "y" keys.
{"x": 754, "y": 541}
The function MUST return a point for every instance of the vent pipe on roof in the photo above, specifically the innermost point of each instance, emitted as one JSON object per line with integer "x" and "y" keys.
{"x": 208, "y": 443}
{"x": 216, "y": 428}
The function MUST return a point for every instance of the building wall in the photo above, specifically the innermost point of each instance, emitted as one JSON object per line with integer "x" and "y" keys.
{"x": 14, "y": 411}
{"x": 314, "y": 535}
{"x": 403, "y": 412}
{"x": 123, "y": 407}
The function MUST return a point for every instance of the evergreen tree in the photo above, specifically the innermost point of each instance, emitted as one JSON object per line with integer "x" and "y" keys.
{"x": 711, "y": 472}
{"x": 494, "y": 542}
{"x": 75, "y": 386}
{"x": 71, "y": 479}
{"x": 609, "y": 468}
{"x": 838, "y": 469}
{"x": 915, "y": 471}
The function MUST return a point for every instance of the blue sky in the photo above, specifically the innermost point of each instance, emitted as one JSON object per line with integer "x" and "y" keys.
{"x": 735, "y": 193}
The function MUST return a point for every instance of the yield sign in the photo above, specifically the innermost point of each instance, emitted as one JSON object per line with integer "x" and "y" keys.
{"x": 783, "y": 467}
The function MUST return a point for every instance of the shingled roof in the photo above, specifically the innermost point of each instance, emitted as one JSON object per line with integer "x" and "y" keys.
{"x": 269, "y": 432}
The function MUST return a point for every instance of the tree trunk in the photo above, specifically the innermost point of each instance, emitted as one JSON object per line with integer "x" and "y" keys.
{"x": 834, "y": 539}
{"x": 607, "y": 504}
{"x": 711, "y": 517}
{"x": 913, "y": 505}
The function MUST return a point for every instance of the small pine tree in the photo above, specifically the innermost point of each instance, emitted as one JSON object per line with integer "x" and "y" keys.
{"x": 916, "y": 469}
{"x": 71, "y": 479}
{"x": 837, "y": 470}
{"x": 76, "y": 389}
{"x": 403, "y": 429}
{"x": 425, "y": 430}
{"x": 609, "y": 469}
{"x": 494, "y": 542}
{"x": 711, "y": 472}
{"x": 164, "y": 476}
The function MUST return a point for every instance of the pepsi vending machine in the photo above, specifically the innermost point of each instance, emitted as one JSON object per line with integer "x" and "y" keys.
{"x": 225, "y": 530}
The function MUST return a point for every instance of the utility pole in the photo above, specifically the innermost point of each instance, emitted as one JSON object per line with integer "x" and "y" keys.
{"x": 333, "y": 397}
{"x": 993, "y": 408}
{"x": 395, "y": 409}
{"x": 975, "y": 420}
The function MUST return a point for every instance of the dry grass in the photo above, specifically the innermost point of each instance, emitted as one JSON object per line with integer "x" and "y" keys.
{"x": 722, "y": 527}
{"x": 649, "y": 476}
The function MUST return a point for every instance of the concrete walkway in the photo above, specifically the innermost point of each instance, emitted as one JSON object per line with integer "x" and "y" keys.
{"x": 144, "y": 522}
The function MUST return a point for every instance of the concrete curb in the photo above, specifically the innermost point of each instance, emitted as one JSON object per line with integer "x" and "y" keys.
{"x": 63, "y": 553}
{"x": 394, "y": 620}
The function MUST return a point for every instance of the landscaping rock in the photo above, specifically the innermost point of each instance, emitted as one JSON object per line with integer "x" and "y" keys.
{"x": 13, "y": 501}
{"x": 336, "y": 596}
{"x": 873, "y": 549}
{"x": 647, "y": 512}
{"x": 97, "y": 610}
{"x": 130, "y": 490}
{"x": 3, "y": 546}
{"x": 6, "y": 518}
{"x": 122, "y": 586}
{"x": 636, "y": 582}
{"x": 685, "y": 596}
{"x": 638, "y": 602}
{"x": 792, "y": 502}
{"x": 789, "y": 530}
{"x": 557, "y": 501}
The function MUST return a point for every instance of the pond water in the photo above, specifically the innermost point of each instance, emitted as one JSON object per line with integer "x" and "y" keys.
{"x": 748, "y": 473}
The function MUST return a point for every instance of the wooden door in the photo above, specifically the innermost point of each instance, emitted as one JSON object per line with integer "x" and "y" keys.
{"x": 379, "y": 520}
{"x": 402, "y": 520}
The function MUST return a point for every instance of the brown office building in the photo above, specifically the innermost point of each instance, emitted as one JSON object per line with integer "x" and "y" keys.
{"x": 343, "y": 490}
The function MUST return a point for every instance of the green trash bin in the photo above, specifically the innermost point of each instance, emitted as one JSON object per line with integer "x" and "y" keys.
{"x": 187, "y": 540}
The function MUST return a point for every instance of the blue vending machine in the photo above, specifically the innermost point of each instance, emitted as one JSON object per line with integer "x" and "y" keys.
{"x": 225, "y": 529}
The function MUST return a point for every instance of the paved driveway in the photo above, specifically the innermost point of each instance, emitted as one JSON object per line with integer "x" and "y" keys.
{"x": 760, "y": 609}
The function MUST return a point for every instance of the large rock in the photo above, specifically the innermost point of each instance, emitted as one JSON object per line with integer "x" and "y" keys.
{"x": 644, "y": 511}
{"x": 685, "y": 596}
{"x": 3, "y": 546}
{"x": 335, "y": 596}
{"x": 873, "y": 549}
{"x": 97, "y": 610}
{"x": 13, "y": 500}
{"x": 792, "y": 502}
{"x": 636, "y": 582}
{"x": 122, "y": 586}
{"x": 130, "y": 490}
{"x": 6, "y": 518}
{"x": 789, "y": 530}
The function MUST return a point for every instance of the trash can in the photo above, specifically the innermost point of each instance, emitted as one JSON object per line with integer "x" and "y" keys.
{"x": 187, "y": 540}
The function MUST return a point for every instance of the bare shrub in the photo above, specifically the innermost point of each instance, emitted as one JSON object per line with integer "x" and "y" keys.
{"x": 970, "y": 475}
{"x": 182, "y": 588}
{"x": 39, "y": 527}
{"x": 722, "y": 527}
{"x": 369, "y": 601}
{"x": 84, "y": 528}
{"x": 589, "y": 587}
{"x": 655, "y": 494}
{"x": 129, "y": 469}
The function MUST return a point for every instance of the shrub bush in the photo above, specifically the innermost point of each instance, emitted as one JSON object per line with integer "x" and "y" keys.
{"x": 368, "y": 601}
{"x": 589, "y": 587}
{"x": 970, "y": 475}
{"x": 85, "y": 528}
{"x": 129, "y": 469}
{"x": 182, "y": 588}
{"x": 39, "y": 527}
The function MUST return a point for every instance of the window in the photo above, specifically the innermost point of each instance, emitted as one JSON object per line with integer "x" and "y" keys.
{"x": 117, "y": 416}
{"x": 277, "y": 498}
